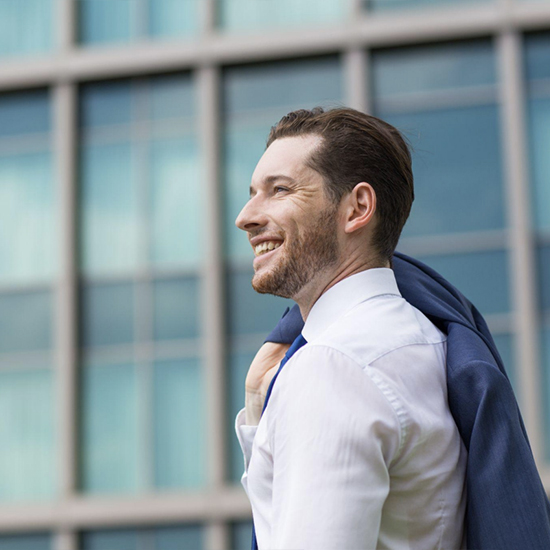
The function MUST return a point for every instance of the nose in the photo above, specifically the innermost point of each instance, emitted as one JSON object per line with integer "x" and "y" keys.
{"x": 251, "y": 216}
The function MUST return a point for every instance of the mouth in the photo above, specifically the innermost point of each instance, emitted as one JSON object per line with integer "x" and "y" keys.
{"x": 266, "y": 247}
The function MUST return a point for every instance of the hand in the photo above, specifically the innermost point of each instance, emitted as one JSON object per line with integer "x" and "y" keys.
{"x": 261, "y": 372}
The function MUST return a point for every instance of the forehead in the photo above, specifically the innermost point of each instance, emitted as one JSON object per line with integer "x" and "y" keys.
{"x": 286, "y": 157}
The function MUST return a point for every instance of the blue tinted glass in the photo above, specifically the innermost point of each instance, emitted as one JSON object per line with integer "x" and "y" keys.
{"x": 179, "y": 424}
{"x": 241, "y": 535}
{"x": 27, "y": 218}
{"x": 109, "y": 205}
{"x": 248, "y": 311}
{"x": 545, "y": 339}
{"x": 26, "y": 26}
{"x": 289, "y": 85}
{"x": 256, "y": 98}
{"x": 457, "y": 169}
{"x": 386, "y": 5}
{"x": 189, "y": 537}
{"x": 26, "y": 321}
{"x": 104, "y": 21}
{"x": 172, "y": 96}
{"x": 251, "y": 14}
{"x": 539, "y": 141}
{"x": 481, "y": 276}
{"x": 111, "y": 453}
{"x": 28, "y": 464}
{"x": 105, "y": 103}
{"x": 26, "y": 542}
{"x": 430, "y": 68}
{"x": 238, "y": 368}
{"x": 26, "y": 112}
{"x": 110, "y": 540}
{"x": 176, "y": 309}
{"x": 176, "y": 203}
{"x": 543, "y": 271}
{"x": 537, "y": 54}
{"x": 107, "y": 314}
{"x": 173, "y": 18}
{"x": 505, "y": 346}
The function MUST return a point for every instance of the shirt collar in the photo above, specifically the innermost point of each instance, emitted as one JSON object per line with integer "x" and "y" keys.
{"x": 345, "y": 295}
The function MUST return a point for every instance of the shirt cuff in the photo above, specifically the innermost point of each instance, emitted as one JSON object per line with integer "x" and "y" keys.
{"x": 245, "y": 435}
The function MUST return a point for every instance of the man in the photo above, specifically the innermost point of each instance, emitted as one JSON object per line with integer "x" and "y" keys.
{"x": 357, "y": 448}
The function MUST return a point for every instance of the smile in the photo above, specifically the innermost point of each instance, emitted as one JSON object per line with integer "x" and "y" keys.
{"x": 266, "y": 246}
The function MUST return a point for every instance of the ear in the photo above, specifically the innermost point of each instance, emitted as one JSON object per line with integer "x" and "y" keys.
{"x": 360, "y": 207}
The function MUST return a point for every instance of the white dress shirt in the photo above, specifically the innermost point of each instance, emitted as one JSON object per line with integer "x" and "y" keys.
{"x": 357, "y": 448}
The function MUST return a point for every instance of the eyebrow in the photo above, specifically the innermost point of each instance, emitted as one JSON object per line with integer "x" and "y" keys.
{"x": 273, "y": 179}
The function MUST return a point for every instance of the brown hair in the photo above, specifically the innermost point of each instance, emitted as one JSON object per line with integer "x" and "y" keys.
{"x": 357, "y": 147}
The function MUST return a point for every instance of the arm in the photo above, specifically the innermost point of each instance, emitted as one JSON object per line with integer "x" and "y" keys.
{"x": 333, "y": 435}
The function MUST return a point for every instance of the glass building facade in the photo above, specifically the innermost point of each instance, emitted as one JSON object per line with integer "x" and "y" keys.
{"x": 129, "y": 130}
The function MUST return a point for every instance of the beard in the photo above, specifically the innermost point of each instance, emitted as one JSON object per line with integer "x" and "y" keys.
{"x": 302, "y": 259}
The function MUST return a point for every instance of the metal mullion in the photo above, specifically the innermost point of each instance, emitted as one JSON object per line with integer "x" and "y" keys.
{"x": 355, "y": 73}
{"x": 521, "y": 239}
{"x": 66, "y": 300}
{"x": 65, "y": 540}
{"x": 66, "y": 19}
{"x": 213, "y": 328}
{"x": 208, "y": 16}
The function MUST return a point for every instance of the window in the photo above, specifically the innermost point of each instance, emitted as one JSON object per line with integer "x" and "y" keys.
{"x": 141, "y": 255}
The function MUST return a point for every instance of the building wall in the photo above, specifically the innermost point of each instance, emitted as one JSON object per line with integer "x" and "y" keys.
{"x": 129, "y": 130}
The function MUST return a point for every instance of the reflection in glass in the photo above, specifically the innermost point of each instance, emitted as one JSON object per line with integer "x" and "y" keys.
{"x": 106, "y": 103}
{"x": 176, "y": 308}
{"x": 26, "y": 321}
{"x": 119, "y": 539}
{"x": 107, "y": 314}
{"x": 537, "y": 50}
{"x": 387, "y": 5}
{"x": 105, "y": 21}
{"x": 490, "y": 292}
{"x": 111, "y": 451}
{"x": 179, "y": 424}
{"x": 173, "y": 18}
{"x": 176, "y": 212}
{"x": 27, "y": 436}
{"x": 250, "y": 15}
{"x": 241, "y": 535}
{"x": 109, "y": 204}
{"x": 26, "y": 27}
{"x": 27, "y": 218}
{"x": 25, "y": 113}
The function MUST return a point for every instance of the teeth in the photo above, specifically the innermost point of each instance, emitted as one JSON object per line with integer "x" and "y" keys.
{"x": 265, "y": 247}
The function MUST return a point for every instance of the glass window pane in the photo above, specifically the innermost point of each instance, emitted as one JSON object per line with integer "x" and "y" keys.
{"x": 26, "y": 321}
{"x": 111, "y": 453}
{"x": 26, "y": 27}
{"x": 172, "y": 97}
{"x": 110, "y": 540}
{"x": 26, "y": 542}
{"x": 248, "y": 311}
{"x": 545, "y": 339}
{"x": 179, "y": 424}
{"x": 543, "y": 253}
{"x": 402, "y": 71}
{"x": 27, "y": 218}
{"x": 386, "y": 5}
{"x": 105, "y": 103}
{"x": 537, "y": 50}
{"x": 28, "y": 465}
{"x": 539, "y": 142}
{"x": 255, "y": 98}
{"x": 189, "y": 537}
{"x": 238, "y": 368}
{"x": 104, "y": 21}
{"x": 109, "y": 209}
{"x": 176, "y": 309}
{"x": 176, "y": 206}
{"x": 457, "y": 170}
{"x": 27, "y": 112}
{"x": 241, "y": 535}
{"x": 107, "y": 314}
{"x": 490, "y": 292}
{"x": 243, "y": 15}
{"x": 173, "y": 18}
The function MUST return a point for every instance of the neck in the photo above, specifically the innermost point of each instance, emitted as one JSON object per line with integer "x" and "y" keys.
{"x": 309, "y": 294}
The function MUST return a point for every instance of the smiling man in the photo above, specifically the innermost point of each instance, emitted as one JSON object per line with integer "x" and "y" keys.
{"x": 357, "y": 448}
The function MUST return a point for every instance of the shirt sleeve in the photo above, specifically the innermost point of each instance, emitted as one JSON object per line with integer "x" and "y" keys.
{"x": 333, "y": 434}
{"x": 245, "y": 435}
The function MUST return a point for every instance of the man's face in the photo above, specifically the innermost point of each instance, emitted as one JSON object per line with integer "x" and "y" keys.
{"x": 291, "y": 224}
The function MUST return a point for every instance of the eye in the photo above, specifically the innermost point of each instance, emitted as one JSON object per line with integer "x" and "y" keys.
{"x": 280, "y": 189}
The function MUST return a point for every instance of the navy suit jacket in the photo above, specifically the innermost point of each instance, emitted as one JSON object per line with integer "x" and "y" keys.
{"x": 507, "y": 507}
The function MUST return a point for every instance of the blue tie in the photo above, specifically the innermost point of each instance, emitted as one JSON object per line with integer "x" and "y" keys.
{"x": 296, "y": 345}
